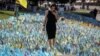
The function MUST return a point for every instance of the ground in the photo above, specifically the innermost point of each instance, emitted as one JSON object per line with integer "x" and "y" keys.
{"x": 24, "y": 37}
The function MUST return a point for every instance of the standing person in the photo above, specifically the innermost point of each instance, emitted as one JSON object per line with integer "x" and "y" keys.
{"x": 95, "y": 11}
{"x": 50, "y": 24}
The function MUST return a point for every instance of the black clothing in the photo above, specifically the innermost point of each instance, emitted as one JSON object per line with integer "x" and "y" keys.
{"x": 94, "y": 13}
{"x": 51, "y": 25}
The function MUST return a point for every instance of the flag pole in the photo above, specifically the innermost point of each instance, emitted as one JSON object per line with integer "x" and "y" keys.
{"x": 17, "y": 3}
{"x": 16, "y": 10}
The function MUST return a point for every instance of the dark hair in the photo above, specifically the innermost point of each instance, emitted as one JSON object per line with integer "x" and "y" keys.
{"x": 54, "y": 5}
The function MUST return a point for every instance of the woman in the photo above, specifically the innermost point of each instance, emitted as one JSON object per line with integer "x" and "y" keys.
{"x": 50, "y": 24}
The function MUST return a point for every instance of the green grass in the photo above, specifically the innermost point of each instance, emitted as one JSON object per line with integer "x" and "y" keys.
{"x": 5, "y": 14}
{"x": 82, "y": 12}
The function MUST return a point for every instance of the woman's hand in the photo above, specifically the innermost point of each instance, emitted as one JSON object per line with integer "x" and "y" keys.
{"x": 55, "y": 13}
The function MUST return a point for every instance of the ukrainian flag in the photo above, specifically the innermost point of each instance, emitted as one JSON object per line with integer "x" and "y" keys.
{"x": 22, "y": 3}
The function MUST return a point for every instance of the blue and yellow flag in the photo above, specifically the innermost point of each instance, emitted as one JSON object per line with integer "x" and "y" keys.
{"x": 22, "y": 3}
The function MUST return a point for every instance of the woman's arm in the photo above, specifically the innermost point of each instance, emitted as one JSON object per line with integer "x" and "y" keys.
{"x": 56, "y": 15}
{"x": 59, "y": 17}
{"x": 45, "y": 21}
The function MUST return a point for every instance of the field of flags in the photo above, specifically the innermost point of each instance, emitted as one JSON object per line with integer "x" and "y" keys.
{"x": 24, "y": 37}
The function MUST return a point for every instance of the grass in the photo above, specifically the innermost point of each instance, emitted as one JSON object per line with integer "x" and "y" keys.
{"x": 82, "y": 12}
{"x": 5, "y": 14}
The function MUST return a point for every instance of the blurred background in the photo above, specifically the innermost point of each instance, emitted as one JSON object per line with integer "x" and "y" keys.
{"x": 82, "y": 7}
{"x": 21, "y": 23}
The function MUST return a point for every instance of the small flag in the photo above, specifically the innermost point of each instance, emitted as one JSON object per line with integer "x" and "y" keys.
{"x": 22, "y": 3}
